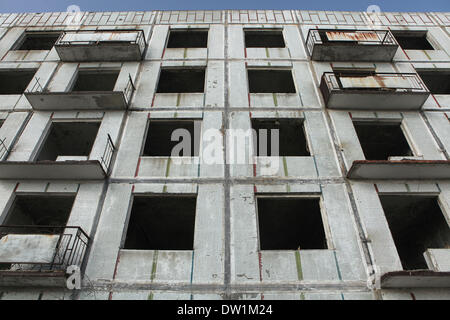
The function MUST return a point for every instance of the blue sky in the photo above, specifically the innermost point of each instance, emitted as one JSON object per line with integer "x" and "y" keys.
{"x": 142, "y": 5}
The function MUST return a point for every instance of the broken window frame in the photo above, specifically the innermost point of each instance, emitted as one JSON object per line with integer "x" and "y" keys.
{"x": 265, "y": 30}
{"x": 23, "y": 38}
{"x": 158, "y": 195}
{"x": 180, "y": 30}
{"x": 309, "y": 196}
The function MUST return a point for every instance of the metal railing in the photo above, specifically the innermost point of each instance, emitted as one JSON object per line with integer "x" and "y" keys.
{"x": 333, "y": 81}
{"x": 139, "y": 40}
{"x": 37, "y": 87}
{"x": 70, "y": 248}
{"x": 107, "y": 156}
{"x": 4, "y": 151}
{"x": 129, "y": 89}
{"x": 316, "y": 36}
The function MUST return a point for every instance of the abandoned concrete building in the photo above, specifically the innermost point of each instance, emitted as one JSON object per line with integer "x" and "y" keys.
{"x": 357, "y": 208}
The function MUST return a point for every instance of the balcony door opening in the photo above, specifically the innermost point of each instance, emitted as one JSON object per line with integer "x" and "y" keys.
{"x": 95, "y": 80}
{"x": 416, "y": 224}
{"x": 438, "y": 82}
{"x": 69, "y": 141}
{"x": 382, "y": 140}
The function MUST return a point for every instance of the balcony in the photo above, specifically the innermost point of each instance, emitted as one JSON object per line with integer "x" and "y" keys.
{"x": 351, "y": 45}
{"x": 43, "y": 100}
{"x": 400, "y": 170}
{"x": 40, "y": 255}
{"x": 101, "y": 45}
{"x": 415, "y": 279}
{"x": 63, "y": 168}
{"x": 373, "y": 91}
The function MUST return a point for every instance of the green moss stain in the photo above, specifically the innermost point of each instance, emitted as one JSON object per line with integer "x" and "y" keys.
{"x": 286, "y": 173}
{"x": 275, "y": 99}
{"x": 298, "y": 261}
{"x": 154, "y": 266}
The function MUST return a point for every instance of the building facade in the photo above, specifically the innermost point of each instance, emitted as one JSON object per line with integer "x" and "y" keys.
{"x": 356, "y": 204}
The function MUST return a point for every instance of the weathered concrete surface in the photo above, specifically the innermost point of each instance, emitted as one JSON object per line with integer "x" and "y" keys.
{"x": 226, "y": 260}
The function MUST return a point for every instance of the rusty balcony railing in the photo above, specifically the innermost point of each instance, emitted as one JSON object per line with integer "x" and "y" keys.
{"x": 101, "y": 45}
{"x": 373, "y": 91}
{"x": 54, "y": 247}
{"x": 139, "y": 39}
{"x": 401, "y": 82}
{"x": 108, "y": 155}
{"x": 351, "y": 45}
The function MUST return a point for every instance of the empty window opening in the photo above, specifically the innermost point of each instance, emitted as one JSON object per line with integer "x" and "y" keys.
{"x": 188, "y": 39}
{"x": 161, "y": 223}
{"x": 39, "y": 210}
{"x": 381, "y": 140}
{"x": 159, "y": 138}
{"x": 38, "y": 41}
{"x": 15, "y": 81}
{"x": 98, "y": 80}
{"x": 270, "y": 81}
{"x": 290, "y": 224}
{"x": 438, "y": 82}
{"x": 181, "y": 81}
{"x": 291, "y": 142}
{"x": 413, "y": 40}
{"x": 69, "y": 139}
{"x": 264, "y": 39}
{"x": 416, "y": 224}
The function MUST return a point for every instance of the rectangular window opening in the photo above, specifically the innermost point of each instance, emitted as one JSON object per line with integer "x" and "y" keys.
{"x": 188, "y": 39}
{"x": 290, "y": 223}
{"x": 38, "y": 41}
{"x": 161, "y": 223}
{"x": 95, "y": 80}
{"x": 66, "y": 139}
{"x": 40, "y": 210}
{"x": 416, "y": 224}
{"x": 381, "y": 140}
{"x": 15, "y": 81}
{"x": 159, "y": 138}
{"x": 270, "y": 81}
{"x": 413, "y": 40}
{"x": 292, "y": 139}
{"x": 438, "y": 82}
{"x": 264, "y": 39}
{"x": 181, "y": 81}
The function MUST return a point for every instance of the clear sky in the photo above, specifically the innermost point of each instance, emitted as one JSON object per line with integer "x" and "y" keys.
{"x": 143, "y": 5}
